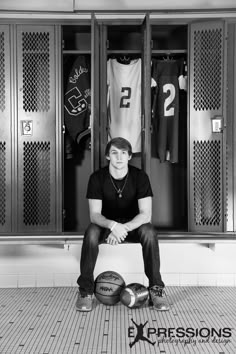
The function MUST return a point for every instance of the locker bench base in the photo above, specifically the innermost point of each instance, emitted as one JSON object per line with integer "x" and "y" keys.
{"x": 75, "y": 238}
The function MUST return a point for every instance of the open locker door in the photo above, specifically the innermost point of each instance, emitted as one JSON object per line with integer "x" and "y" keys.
{"x": 103, "y": 94}
{"x": 146, "y": 96}
{"x": 230, "y": 167}
{"x": 95, "y": 128}
{"x": 206, "y": 122}
{"x": 6, "y": 176}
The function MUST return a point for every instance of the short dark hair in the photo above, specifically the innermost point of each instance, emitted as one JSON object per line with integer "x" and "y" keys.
{"x": 119, "y": 143}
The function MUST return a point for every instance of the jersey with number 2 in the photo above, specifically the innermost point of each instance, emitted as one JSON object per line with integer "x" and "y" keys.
{"x": 166, "y": 108}
{"x": 124, "y": 101}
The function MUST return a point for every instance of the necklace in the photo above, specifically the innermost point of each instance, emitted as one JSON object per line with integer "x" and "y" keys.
{"x": 119, "y": 190}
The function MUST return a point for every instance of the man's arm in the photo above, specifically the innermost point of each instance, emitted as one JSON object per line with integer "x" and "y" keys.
{"x": 118, "y": 231}
{"x": 144, "y": 216}
{"x": 95, "y": 212}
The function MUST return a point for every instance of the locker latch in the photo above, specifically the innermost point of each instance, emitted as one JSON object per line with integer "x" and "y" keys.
{"x": 27, "y": 127}
{"x": 217, "y": 124}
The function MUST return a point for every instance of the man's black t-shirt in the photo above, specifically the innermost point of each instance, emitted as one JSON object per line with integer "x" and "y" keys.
{"x": 101, "y": 187}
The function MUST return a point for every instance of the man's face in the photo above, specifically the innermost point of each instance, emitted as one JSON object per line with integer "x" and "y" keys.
{"x": 118, "y": 158}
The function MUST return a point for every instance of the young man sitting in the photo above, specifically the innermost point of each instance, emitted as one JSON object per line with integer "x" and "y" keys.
{"x": 120, "y": 206}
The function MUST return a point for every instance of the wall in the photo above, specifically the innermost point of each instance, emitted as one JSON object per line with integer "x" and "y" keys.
{"x": 151, "y": 4}
{"x": 37, "y": 5}
{"x": 124, "y": 5}
{"x": 181, "y": 264}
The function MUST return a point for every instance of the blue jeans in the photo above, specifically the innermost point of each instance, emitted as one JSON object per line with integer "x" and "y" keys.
{"x": 95, "y": 235}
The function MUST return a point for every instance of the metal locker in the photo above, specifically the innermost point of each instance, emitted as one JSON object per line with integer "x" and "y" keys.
{"x": 230, "y": 165}
{"x": 146, "y": 96}
{"x": 36, "y": 128}
{"x": 5, "y": 131}
{"x": 206, "y": 110}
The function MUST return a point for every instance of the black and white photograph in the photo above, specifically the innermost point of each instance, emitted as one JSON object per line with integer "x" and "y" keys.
{"x": 117, "y": 177}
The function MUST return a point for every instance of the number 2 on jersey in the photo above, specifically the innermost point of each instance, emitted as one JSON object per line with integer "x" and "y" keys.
{"x": 169, "y": 88}
{"x": 124, "y": 103}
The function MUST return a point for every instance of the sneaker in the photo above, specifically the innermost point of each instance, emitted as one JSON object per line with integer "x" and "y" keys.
{"x": 157, "y": 300}
{"x": 84, "y": 302}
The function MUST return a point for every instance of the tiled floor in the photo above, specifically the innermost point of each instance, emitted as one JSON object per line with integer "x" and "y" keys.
{"x": 44, "y": 320}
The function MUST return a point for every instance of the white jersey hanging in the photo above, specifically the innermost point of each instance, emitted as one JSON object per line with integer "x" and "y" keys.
{"x": 124, "y": 101}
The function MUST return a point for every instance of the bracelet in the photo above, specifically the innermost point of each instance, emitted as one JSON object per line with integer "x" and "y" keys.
{"x": 113, "y": 226}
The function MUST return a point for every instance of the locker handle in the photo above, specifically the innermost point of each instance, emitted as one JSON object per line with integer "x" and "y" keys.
{"x": 217, "y": 124}
{"x": 142, "y": 122}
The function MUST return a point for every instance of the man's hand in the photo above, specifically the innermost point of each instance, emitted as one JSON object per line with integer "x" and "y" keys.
{"x": 112, "y": 240}
{"x": 120, "y": 231}
{"x": 118, "y": 234}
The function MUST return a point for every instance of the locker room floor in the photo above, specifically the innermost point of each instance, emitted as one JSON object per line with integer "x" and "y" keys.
{"x": 44, "y": 320}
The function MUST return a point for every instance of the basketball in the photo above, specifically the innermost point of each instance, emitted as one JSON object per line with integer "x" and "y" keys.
{"x": 134, "y": 295}
{"x": 108, "y": 286}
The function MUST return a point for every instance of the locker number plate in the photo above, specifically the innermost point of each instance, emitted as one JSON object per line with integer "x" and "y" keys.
{"x": 26, "y": 127}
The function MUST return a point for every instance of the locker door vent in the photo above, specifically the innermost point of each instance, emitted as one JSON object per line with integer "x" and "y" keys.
{"x": 207, "y": 182}
{"x": 36, "y": 186}
{"x": 207, "y": 69}
{"x": 36, "y": 72}
{"x": 3, "y": 183}
{"x": 2, "y": 73}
